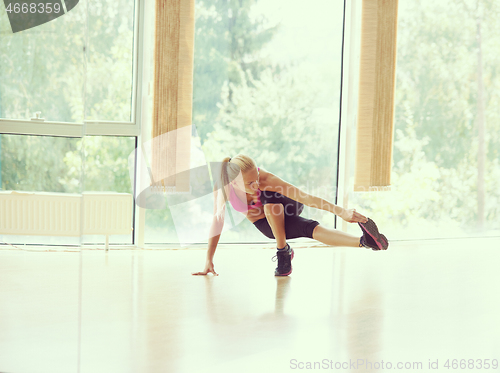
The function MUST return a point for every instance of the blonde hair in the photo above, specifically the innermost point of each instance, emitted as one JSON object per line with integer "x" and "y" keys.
{"x": 230, "y": 169}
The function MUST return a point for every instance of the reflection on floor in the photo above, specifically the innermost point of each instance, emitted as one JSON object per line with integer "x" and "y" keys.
{"x": 350, "y": 309}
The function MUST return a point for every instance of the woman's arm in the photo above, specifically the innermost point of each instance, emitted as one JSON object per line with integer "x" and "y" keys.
{"x": 213, "y": 240}
{"x": 273, "y": 183}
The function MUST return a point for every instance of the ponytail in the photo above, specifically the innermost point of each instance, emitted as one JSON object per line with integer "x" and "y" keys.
{"x": 223, "y": 194}
{"x": 230, "y": 168}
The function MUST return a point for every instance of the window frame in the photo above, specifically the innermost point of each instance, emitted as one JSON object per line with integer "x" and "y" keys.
{"x": 101, "y": 127}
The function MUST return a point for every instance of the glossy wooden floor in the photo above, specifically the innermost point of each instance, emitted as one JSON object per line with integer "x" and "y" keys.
{"x": 141, "y": 311}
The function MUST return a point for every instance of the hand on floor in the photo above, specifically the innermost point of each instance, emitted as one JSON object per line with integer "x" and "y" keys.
{"x": 209, "y": 268}
{"x": 351, "y": 216}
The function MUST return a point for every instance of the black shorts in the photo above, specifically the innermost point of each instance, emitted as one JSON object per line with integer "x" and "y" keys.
{"x": 295, "y": 225}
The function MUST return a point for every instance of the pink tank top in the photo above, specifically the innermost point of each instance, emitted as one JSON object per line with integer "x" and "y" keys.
{"x": 240, "y": 206}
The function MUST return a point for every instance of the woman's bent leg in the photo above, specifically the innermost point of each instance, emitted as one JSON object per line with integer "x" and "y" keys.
{"x": 275, "y": 215}
{"x": 334, "y": 237}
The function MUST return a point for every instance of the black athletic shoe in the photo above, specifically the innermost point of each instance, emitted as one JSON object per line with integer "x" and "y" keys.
{"x": 372, "y": 237}
{"x": 284, "y": 258}
{"x": 368, "y": 242}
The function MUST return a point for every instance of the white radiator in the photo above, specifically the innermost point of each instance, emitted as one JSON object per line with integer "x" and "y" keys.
{"x": 59, "y": 214}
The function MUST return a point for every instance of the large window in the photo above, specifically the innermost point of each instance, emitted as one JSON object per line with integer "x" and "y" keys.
{"x": 63, "y": 85}
{"x": 446, "y": 172}
{"x": 267, "y": 84}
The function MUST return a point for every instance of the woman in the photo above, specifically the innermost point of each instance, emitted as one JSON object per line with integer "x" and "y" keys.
{"x": 274, "y": 207}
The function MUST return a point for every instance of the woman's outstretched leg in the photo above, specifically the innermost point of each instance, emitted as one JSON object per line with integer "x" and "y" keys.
{"x": 334, "y": 237}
